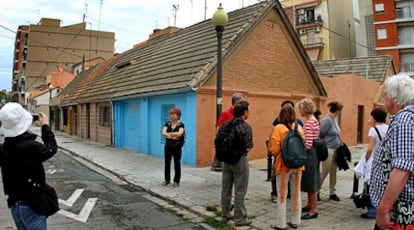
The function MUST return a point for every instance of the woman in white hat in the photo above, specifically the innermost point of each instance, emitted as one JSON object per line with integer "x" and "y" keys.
{"x": 21, "y": 158}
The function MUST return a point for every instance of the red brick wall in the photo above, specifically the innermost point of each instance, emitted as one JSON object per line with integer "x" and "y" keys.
{"x": 268, "y": 69}
{"x": 92, "y": 121}
{"x": 392, "y": 35}
{"x": 395, "y": 53}
{"x": 99, "y": 133}
{"x": 83, "y": 121}
{"x": 389, "y": 10}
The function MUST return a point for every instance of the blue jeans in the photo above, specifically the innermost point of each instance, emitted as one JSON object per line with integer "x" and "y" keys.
{"x": 26, "y": 219}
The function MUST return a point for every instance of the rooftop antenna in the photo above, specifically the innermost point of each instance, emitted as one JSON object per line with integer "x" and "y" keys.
{"x": 86, "y": 11}
{"x": 175, "y": 9}
{"x": 205, "y": 10}
{"x": 191, "y": 12}
{"x": 100, "y": 13}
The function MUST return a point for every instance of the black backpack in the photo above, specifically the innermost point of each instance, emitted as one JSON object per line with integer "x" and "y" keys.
{"x": 227, "y": 143}
{"x": 293, "y": 149}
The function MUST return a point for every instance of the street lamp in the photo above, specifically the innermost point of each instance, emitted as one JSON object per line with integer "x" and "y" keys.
{"x": 220, "y": 20}
{"x": 50, "y": 91}
{"x": 50, "y": 102}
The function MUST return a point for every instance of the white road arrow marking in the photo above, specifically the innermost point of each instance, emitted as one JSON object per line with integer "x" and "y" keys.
{"x": 84, "y": 213}
{"x": 72, "y": 199}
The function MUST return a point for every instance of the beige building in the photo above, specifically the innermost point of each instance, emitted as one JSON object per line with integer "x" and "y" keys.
{"x": 39, "y": 48}
{"x": 326, "y": 28}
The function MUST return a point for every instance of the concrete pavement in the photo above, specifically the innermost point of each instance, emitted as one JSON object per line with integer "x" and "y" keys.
{"x": 200, "y": 187}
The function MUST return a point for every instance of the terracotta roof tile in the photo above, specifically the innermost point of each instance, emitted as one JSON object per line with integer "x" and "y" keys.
{"x": 374, "y": 68}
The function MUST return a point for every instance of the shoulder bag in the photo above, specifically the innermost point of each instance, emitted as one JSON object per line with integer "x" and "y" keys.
{"x": 44, "y": 199}
{"x": 321, "y": 149}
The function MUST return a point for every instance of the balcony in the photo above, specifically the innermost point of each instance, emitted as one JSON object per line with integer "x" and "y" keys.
{"x": 315, "y": 42}
{"x": 403, "y": 13}
{"x": 407, "y": 67}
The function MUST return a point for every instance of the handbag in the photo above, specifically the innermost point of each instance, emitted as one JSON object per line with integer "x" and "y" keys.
{"x": 361, "y": 200}
{"x": 44, "y": 199}
{"x": 321, "y": 149}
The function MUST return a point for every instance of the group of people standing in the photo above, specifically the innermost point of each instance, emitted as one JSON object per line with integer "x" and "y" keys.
{"x": 390, "y": 152}
{"x": 308, "y": 177}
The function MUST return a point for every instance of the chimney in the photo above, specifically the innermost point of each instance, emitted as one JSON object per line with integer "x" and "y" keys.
{"x": 158, "y": 33}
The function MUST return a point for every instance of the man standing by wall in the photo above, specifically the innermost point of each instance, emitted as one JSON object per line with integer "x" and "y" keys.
{"x": 225, "y": 116}
{"x": 238, "y": 174}
{"x": 392, "y": 179}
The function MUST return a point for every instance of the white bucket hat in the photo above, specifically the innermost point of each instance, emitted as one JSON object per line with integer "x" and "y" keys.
{"x": 15, "y": 120}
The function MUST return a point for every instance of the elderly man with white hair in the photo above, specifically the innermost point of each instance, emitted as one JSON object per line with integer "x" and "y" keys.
{"x": 392, "y": 179}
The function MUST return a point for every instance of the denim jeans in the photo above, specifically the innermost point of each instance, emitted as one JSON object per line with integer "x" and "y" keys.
{"x": 26, "y": 219}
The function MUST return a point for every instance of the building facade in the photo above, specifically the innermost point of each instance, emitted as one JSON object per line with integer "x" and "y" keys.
{"x": 326, "y": 28}
{"x": 394, "y": 30}
{"x": 39, "y": 48}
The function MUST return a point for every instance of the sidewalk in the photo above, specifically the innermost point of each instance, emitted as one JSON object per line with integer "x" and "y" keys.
{"x": 201, "y": 187}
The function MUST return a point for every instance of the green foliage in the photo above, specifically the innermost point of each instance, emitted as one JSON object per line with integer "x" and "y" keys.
{"x": 217, "y": 224}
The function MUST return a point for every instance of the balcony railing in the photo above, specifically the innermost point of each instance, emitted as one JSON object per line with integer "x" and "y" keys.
{"x": 407, "y": 67}
{"x": 406, "y": 39}
{"x": 403, "y": 13}
{"x": 312, "y": 42}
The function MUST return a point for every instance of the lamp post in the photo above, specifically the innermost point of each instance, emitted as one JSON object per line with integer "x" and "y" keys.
{"x": 220, "y": 20}
{"x": 50, "y": 103}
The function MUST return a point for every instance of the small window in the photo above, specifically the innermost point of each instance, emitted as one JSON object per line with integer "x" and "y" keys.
{"x": 381, "y": 34}
{"x": 379, "y": 8}
{"x": 105, "y": 116}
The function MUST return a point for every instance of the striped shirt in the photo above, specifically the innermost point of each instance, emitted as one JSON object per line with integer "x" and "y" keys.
{"x": 399, "y": 141}
{"x": 311, "y": 131}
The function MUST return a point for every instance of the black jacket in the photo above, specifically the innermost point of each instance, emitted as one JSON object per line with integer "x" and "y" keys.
{"x": 342, "y": 156}
{"x": 21, "y": 158}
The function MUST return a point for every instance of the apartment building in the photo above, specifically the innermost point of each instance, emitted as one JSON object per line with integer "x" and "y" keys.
{"x": 394, "y": 32}
{"x": 40, "y": 48}
{"x": 326, "y": 27}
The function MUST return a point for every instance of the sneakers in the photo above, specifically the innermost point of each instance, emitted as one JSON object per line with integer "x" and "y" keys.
{"x": 334, "y": 197}
{"x": 245, "y": 223}
{"x": 274, "y": 198}
{"x": 365, "y": 216}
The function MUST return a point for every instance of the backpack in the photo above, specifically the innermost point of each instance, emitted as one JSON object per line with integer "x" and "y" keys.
{"x": 293, "y": 149}
{"x": 227, "y": 143}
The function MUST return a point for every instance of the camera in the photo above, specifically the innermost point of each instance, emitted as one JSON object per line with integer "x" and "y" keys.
{"x": 35, "y": 117}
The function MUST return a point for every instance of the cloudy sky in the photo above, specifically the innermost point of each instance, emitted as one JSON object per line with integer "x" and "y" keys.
{"x": 131, "y": 20}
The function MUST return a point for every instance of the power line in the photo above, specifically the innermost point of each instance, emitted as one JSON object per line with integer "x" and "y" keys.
{"x": 350, "y": 40}
{"x": 8, "y": 29}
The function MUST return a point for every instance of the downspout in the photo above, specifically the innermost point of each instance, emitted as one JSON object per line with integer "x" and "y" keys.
{"x": 366, "y": 70}
{"x": 112, "y": 124}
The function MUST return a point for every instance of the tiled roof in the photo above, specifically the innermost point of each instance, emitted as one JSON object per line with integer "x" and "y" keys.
{"x": 374, "y": 68}
{"x": 181, "y": 61}
{"x": 83, "y": 81}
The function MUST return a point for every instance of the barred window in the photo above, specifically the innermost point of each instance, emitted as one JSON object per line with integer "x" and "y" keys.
{"x": 105, "y": 116}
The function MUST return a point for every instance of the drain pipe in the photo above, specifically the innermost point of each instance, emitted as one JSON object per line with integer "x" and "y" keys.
{"x": 112, "y": 124}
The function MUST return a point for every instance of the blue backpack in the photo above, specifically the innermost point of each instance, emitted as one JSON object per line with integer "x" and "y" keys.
{"x": 293, "y": 149}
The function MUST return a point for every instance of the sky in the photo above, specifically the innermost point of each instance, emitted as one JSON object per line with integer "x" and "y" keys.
{"x": 131, "y": 20}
